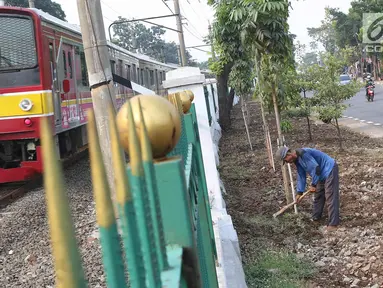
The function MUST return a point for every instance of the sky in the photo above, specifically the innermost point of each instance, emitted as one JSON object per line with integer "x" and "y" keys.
{"x": 305, "y": 13}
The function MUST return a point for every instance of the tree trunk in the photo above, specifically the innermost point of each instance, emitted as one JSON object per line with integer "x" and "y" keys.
{"x": 289, "y": 198}
{"x": 244, "y": 119}
{"x": 223, "y": 101}
{"x": 339, "y": 135}
{"x": 266, "y": 129}
{"x": 230, "y": 99}
{"x": 308, "y": 119}
{"x": 309, "y": 128}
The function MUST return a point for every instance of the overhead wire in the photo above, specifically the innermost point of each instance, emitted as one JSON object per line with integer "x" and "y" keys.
{"x": 107, "y": 5}
{"x": 199, "y": 49}
{"x": 166, "y": 4}
{"x": 191, "y": 25}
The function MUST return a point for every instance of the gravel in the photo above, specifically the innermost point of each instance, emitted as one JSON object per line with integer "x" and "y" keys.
{"x": 25, "y": 251}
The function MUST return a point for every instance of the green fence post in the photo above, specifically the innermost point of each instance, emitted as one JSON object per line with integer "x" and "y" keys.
{"x": 106, "y": 220}
{"x": 206, "y": 92}
{"x": 142, "y": 204}
{"x": 67, "y": 259}
{"x": 207, "y": 242}
{"x": 212, "y": 93}
{"x": 128, "y": 217}
{"x": 193, "y": 136}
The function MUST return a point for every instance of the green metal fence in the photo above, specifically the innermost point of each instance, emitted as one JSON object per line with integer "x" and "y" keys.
{"x": 163, "y": 205}
{"x": 207, "y": 101}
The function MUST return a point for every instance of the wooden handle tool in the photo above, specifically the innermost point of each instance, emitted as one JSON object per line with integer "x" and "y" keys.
{"x": 288, "y": 206}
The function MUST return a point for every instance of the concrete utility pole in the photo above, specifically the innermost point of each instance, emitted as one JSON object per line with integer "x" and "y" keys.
{"x": 100, "y": 75}
{"x": 181, "y": 33}
{"x": 31, "y": 3}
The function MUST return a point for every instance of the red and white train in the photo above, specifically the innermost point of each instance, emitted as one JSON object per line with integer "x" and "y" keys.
{"x": 43, "y": 74}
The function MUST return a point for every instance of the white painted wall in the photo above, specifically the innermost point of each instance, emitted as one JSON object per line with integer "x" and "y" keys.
{"x": 229, "y": 269}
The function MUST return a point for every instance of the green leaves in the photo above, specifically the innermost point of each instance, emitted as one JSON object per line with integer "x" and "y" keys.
{"x": 47, "y": 6}
{"x": 328, "y": 93}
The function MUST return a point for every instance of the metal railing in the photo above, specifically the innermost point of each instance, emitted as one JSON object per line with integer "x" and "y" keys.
{"x": 163, "y": 205}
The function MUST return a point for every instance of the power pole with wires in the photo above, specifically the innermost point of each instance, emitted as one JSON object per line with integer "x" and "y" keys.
{"x": 180, "y": 33}
{"x": 100, "y": 75}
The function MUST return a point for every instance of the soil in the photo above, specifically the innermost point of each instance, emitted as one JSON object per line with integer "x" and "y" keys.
{"x": 349, "y": 257}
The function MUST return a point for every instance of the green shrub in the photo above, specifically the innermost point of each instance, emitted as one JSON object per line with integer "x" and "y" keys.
{"x": 286, "y": 126}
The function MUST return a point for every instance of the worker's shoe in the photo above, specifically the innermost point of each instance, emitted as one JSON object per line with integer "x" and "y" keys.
{"x": 331, "y": 228}
{"x": 315, "y": 219}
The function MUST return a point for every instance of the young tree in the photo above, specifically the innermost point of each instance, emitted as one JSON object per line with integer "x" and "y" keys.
{"x": 229, "y": 49}
{"x": 329, "y": 95}
{"x": 305, "y": 82}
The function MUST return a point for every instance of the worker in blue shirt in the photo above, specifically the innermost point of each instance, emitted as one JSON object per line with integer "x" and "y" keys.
{"x": 324, "y": 174}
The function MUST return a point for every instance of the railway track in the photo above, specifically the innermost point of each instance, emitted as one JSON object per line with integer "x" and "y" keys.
{"x": 13, "y": 191}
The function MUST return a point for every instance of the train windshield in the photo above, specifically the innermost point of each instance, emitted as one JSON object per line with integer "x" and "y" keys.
{"x": 18, "y": 53}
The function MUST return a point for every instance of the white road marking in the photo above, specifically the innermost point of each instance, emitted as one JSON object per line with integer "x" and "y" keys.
{"x": 363, "y": 121}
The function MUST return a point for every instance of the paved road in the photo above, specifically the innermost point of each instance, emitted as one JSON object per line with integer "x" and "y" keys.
{"x": 361, "y": 109}
{"x": 363, "y": 116}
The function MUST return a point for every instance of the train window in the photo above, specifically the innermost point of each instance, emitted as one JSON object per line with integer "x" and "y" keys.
{"x": 142, "y": 77}
{"x": 84, "y": 72}
{"x": 70, "y": 65}
{"x": 134, "y": 72}
{"x": 151, "y": 77}
{"x": 138, "y": 76}
{"x": 120, "y": 68}
{"x": 51, "y": 57}
{"x": 112, "y": 64}
{"x": 128, "y": 72}
{"x": 64, "y": 64}
{"x": 156, "y": 78}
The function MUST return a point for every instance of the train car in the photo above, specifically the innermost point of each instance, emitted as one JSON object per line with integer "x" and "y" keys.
{"x": 43, "y": 74}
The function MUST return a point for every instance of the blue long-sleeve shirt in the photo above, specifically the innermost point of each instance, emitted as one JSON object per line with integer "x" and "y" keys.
{"x": 314, "y": 162}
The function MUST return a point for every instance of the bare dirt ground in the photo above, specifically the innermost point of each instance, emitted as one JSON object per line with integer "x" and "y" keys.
{"x": 350, "y": 257}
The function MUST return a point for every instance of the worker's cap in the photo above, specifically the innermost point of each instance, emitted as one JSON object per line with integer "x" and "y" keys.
{"x": 281, "y": 153}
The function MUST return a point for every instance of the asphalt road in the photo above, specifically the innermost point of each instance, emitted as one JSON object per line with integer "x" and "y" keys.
{"x": 361, "y": 109}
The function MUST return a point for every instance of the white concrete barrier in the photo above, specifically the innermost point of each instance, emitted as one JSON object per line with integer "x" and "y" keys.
{"x": 229, "y": 266}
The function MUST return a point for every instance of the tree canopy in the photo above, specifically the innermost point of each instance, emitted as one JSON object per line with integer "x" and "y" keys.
{"x": 47, "y": 6}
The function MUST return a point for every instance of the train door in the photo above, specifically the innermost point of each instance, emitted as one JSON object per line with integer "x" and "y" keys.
{"x": 66, "y": 71}
{"x": 55, "y": 86}
{"x": 69, "y": 74}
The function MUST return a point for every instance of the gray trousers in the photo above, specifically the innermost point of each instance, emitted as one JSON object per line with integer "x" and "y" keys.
{"x": 328, "y": 191}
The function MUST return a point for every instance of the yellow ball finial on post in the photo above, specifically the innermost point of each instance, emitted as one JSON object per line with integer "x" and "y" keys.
{"x": 186, "y": 101}
{"x": 162, "y": 121}
{"x": 190, "y": 94}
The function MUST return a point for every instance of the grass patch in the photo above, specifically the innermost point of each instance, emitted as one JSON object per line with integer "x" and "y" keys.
{"x": 278, "y": 270}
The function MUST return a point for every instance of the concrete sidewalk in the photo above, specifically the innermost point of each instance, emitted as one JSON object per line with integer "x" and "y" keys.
{"x": 373, "y": 130}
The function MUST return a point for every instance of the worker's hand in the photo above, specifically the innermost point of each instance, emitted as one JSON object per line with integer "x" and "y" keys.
{"x": 298, "y": 198}
{"x": 313, "y": 189}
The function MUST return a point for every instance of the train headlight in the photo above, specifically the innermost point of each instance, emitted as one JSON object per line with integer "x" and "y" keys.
{"x": 26, "y": 105}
